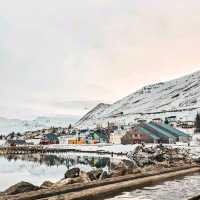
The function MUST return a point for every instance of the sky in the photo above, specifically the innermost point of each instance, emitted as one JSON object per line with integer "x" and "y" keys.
{"x": 64, "y": 57}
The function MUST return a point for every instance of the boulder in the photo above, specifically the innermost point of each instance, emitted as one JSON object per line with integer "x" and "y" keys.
{"x": 144, "y": 156}
{"x": 95, "y": 174}
{"x": 72, "y": 173}
{"x": 114, "y": 164}
{"x": 129, "y": 163}
{"x": 130, "y": 166}
{"x": 119, "y": 170}
{"x": 46, "y": 184}
{"x": 21, "y": 187}
{"x": 68, "y": 181}
{"x": 136, "y": 171}
{"x": 63, "y": 182}
{"x": 84, "y": 176}
{"x": 104, "y": 175}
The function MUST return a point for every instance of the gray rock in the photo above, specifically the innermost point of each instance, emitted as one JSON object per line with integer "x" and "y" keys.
{"x": 95, "y": 174}
{"x": 46, "y": 184}
{"x": 145, "y": 156}
{"x": 119, "y": 170}
{"x": 69, "y": 181}
{"x": 104, "y": 175}
{"x": 21, "y": 187}
{"x": 72, "y": 173}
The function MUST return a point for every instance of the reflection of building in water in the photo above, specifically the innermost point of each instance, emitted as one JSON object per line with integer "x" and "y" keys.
{"x": 66, "y": 160}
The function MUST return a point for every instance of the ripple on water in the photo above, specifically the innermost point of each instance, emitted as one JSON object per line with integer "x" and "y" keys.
{"x": 181, "y": 189}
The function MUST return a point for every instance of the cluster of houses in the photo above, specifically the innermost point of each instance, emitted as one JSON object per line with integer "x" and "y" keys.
{"x": 155, "y": 131}
{"x": 176, "y": 123}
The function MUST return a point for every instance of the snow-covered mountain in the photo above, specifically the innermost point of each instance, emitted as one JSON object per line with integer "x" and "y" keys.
{"x": 17, "y": 125}
{"x": 180, "y": 97}
{"x": 94, "y": 113}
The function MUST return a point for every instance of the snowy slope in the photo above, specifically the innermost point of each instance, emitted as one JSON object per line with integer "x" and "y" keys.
{"x": 93, "y": 114}
{"x": 16, "y": 125}
{"x": 180, "y": 97}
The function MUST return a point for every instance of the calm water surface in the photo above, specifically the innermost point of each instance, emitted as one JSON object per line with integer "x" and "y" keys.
{"x": 38, "y": 168}
{"x": 179, "y": 189}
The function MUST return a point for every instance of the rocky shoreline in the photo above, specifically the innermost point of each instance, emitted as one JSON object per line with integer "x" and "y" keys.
{"x": 141, "y": 160}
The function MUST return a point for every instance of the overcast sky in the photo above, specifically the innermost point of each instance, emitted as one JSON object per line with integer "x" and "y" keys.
{"x": 61, "y": 57}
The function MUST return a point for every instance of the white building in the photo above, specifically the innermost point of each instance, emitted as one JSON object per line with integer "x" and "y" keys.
{"x": 115, "y": 137}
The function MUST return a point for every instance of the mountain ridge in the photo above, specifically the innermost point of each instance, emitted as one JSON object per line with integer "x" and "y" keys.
{"x": 177, "y": 95}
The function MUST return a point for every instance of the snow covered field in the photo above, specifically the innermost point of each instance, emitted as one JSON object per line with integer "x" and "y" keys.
{"x": 117, "y": 148}
{"x": 2, "y": 142}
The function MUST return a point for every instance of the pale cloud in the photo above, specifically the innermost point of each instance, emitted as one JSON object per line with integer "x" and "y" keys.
{"x": 53, "y": 53}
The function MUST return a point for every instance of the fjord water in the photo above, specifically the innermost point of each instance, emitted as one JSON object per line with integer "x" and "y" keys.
{"x": 38, "y": 168}
{"x": 177, "y": 189}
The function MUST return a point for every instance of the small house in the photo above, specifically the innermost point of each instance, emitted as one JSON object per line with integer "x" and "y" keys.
{"x": 115, "y": 137}
{"x": 49, "y": 138}
{"x": 187, "y": 124}
{"x": 171, "y": 118}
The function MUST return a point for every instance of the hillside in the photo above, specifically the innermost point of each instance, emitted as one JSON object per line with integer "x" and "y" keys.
{"x": 93, "y": 114}
{"x": 179, "y": 97}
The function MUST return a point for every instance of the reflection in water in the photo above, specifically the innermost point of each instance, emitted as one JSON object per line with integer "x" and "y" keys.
{"x": 62, "y": 159}
{"x": 36, "y": 168}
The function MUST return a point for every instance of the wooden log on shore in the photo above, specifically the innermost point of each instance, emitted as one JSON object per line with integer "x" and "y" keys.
{"x": 73, "y": 188}
{"x": 114, "y": 189}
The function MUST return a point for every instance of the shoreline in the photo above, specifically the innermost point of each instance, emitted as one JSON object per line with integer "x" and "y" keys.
{"x": 105, "y": 188}
{"x": 142, "y": 162}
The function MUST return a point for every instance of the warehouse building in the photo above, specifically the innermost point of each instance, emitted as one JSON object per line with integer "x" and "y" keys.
{"x": 154, "y": 133}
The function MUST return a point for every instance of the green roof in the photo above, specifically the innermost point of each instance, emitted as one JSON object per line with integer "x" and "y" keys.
{"x": 174, "y": 131}
{"x": 160, "y": 131}
{"x": 151, "y": 135}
